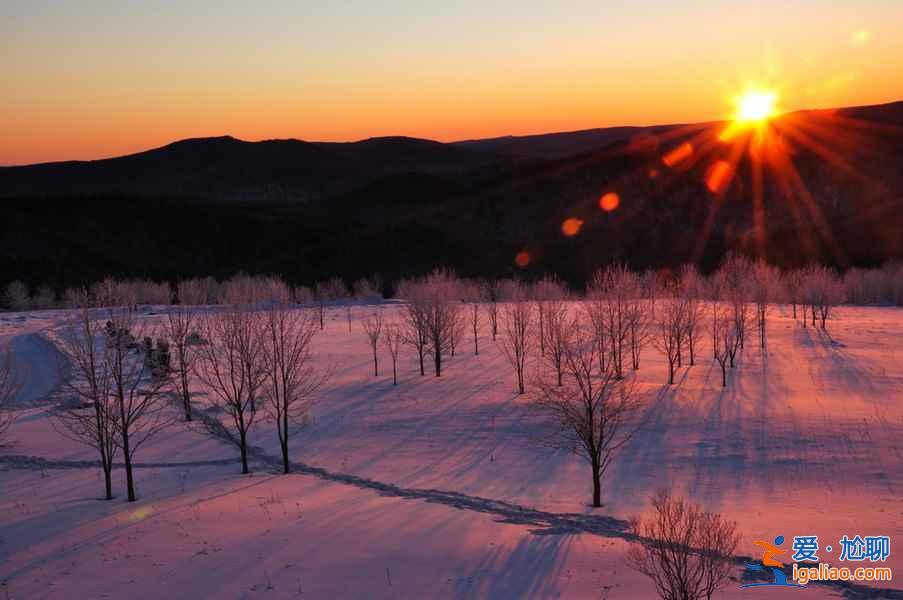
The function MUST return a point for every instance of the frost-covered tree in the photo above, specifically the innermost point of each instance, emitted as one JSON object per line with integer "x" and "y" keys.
{"x": 199, "y": 291}
{"x": 90, "y": 417}
{"x": 724, "y": 340}
{"x": 544, "y": 291}
{"x": 691, "y": 289}
{"x": 670, "y": 332}
{"x": 491, "y": 292}
{"x": 685, "y": 551}
{"x": 181, "y": 329}
{"x": 517, "y": 328}
{"x": 368, "y": 289}
{"x": 415, "y": 331}
{"x": 136, "y": 388}
{"x": 594, "y": 413}
{"x": 823, "y": 291}
{"x": 373, "y": 327}
{"x": 558, "y": 332}
{"x": 16, "y": 296}
{"x": 233, "y": 368}
{"x": 44, "y": 298}
{"x": 291, "y": 379}
{"x": 393, "y": 340}
{"x": 764, "y": 289}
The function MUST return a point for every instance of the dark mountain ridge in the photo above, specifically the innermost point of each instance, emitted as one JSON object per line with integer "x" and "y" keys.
{"x": 399, "y": 206}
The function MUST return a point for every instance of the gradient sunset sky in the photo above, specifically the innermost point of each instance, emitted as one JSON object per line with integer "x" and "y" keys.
{"x": 91, "y": 79}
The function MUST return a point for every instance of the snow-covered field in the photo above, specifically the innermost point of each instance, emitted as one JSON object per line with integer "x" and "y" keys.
{"x": 436, "y": 488}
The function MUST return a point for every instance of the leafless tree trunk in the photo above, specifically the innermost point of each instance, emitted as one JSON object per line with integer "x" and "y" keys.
{"x": 92, "y": 420}
{"x": 232, "y": 366}
{"x": 638, "y": 324}
{"x": 595, "y": 309}
{"x": 558, "y": 332}
{"x": 475, "y": 326}
{"x": 136, "y": 390}
{"x": 491, "y": 293}
{"x": 823, "y": 291}
{"x": 517, "y": 327}
{"x": 373, "y": 327}
{"x": 291, "y": 379}
{"x": 593, "y": 414}
{"x": 392, "y": 340}
{"x": 671, "y": 330}
{"x": 724, "y": 340}
{"x": 685, "y": 551}
{"x": 442, "y": 318}
{"x": 415, "y": 328}
{"x": 181, "y": 330}
{"x": 765, "y": 282}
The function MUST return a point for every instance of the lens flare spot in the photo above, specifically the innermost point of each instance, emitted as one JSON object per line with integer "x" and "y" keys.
{"x": 653, "y": 173}
{"x": 719, "y": 176}
{"x": 522, "y": 259}
{"x": 571, "y": 227}
{"x": 609, "y": 202}
{"x": 678, "y": 155}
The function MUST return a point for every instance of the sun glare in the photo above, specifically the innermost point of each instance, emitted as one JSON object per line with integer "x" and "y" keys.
{"x": 756, "y": 106}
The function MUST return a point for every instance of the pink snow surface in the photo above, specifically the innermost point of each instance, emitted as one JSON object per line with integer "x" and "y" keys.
{"x": 451, "y": 496}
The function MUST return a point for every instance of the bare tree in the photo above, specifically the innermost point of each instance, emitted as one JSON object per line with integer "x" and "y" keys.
{"x": 593, "y": 414}
{"x": 670, "y": 332}
{"x": 328, "y": 292}
{"x": 233, "y": 368}
{"x": 491, "y": 292}
{"x": 638, "y": 326}
{"x": 92, "y": 419}
{"x": 373, "y": 327}
{"x": 181, "y": 329}
{"x": 619, "y": 288}
{"x": 416, "y": 312}
{"x": 475, "y": 325}
{"x": 558, "y": 332}
{"x": 822, "y": 291}
{"x": 442, "y": 318}
{"x": 692, "y": 288}
{"x": 517, "y": 328}
{"x": 392, "y": 340}
{"x": 724, "y": 340}
{"x": 735, "y": 276}
{"x": 16, "y": 296}
{"x": 291, "y": 379}
{"x": 9, "y": 387}
{"x": 595, "y": 310}
{"x": 685, "y": 551}
{"x": 136, "y": 389}
{"x": 764, "y": 289}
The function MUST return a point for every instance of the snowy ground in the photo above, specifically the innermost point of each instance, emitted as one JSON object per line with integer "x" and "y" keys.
{"x": 436, "y": 488}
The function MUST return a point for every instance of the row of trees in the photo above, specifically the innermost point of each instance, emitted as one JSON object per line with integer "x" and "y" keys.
{"x": 126, "y": 374}
{"x": 587, "y": 350}
{"x": 856, "y": 286}
{"x": 241, "y": 289}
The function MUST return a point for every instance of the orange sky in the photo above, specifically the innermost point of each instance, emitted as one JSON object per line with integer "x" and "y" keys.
{"x": 93, "y": 79}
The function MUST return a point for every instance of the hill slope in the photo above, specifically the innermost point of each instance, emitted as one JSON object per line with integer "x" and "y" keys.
{"x": 398, "y": 206}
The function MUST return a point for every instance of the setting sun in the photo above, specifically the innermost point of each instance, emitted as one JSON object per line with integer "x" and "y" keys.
{"x": 756, "y": 105}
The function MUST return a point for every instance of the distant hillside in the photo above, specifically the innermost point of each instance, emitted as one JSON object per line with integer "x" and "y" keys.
{"x": 399, "y": 206}
{"x": 559, "y": 145}
{"x": 229, "y": 169}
